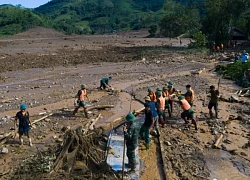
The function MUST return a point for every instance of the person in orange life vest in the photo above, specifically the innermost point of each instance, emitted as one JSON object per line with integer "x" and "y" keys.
{"x": 151, "y": 94}
{"x": 160, "y": 106}
{"x": 189, "y": 95}
{"x": 82, "y": 93}
{"x": 165, "y": 94}
{"x": 187, "y": 113}
{"x": 171, "y": 91}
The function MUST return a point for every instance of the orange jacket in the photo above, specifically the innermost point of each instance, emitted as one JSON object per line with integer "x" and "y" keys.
{"x": 185, "y": 105}
{"x": 171, "y": 90}
{"x": 152, "y": 96}
{"x": 83, "y": 95}
{"x": 161, "y": 105}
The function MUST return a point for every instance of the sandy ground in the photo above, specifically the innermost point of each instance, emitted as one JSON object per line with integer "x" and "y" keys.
{"x": 44, "y": 69}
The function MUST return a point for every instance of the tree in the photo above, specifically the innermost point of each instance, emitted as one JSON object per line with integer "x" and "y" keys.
{"x": 179, "y": 20}
{"x": 152, "y": 30}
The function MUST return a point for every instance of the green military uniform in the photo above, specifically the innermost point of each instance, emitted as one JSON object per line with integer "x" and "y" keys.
{"x": 131, "y": 137}
{"x": 104, "y": 82}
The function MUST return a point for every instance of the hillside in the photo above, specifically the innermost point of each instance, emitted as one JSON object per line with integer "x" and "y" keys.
{"x": 14, "y": 20}
{"x": 101, "y": 16}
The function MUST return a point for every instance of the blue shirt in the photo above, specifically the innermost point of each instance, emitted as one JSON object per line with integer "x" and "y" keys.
{"x": 153, "y": 109}
{"x": 244, "y": 58}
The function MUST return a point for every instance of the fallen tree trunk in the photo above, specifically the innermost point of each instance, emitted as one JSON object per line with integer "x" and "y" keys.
{"x": 42, "y": 118}
{"x": 216, "y": 144}
{"x": 91, "y": 127}
{"x": 100, "y": 107}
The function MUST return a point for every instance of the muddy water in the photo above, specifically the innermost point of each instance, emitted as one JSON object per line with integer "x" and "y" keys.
{"x": 224, "y": 166}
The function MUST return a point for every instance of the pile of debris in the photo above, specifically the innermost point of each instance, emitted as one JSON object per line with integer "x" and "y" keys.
{"x": 79, "y": 156}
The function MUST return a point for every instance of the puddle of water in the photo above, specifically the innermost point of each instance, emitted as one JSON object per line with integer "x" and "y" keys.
{"x": 224, "y": 166}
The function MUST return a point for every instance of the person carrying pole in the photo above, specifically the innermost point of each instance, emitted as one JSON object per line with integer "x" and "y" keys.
{"x": 131, "y": 133}
{"x": 214, "y": 99}
{"x": 23, "y": 123}
{"x": 80, "y": 100}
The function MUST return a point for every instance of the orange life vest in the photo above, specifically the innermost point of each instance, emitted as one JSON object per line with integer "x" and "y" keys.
{"x": 190, "y": 98}
{"x": 171, "y": 90}
{"x": 161, "y": 105}
{"x": 185, "y": 105}
{"x": 165, "y": 93}
{"x": 152, "y": 96}
{"x": 83, "y": 94}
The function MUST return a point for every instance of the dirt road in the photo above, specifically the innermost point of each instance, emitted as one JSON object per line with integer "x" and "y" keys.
{"x": 45, "y": 69}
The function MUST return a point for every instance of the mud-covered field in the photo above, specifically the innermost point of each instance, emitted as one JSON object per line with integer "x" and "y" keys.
{"x": 45, "y": 69}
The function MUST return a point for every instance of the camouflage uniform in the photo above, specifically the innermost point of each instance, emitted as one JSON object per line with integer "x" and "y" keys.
{"x": 131, "y": 137}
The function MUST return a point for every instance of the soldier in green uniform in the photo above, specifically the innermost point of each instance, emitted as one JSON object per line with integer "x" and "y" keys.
{"x": 131, "y": 135}
{"x": 105, "y": 82}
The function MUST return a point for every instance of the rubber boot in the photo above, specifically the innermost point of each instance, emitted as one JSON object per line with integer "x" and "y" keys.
{"x": 195, "y": 124}
{"x": 21, "y": 141}
{"x": 216, "y": 115}
{"x": 75, "y": 111}
{"x": 169, "y": 112}
{"x": 127, "y": 165}
{"x": 30, "y": 143}
{"x": 186, "y": 121}
{"x": 211, "y": 114}
{"x": 86, "y": 114}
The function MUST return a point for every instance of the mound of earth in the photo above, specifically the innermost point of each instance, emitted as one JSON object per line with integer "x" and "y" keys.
{"x": 39, "y": 32}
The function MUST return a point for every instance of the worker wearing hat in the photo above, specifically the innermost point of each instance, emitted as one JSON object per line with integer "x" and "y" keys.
{"x": 80, "y": 100}
{"x": 23, "y": 123}
{"x": 160, "y": 106}
{"x": 147, "y": 125}
{"x": 187, "y": 113}
{"x": 165, "y": 94}
{"x": 151, "y": 94}
{"x": 154, "y": 113}
{"x": 105, "y": 82}
{"x": 171, "y": 91}
{"x": 131, "y": 133}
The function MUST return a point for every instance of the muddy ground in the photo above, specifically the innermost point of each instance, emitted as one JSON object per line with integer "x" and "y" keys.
{"x": 45, "y": 69}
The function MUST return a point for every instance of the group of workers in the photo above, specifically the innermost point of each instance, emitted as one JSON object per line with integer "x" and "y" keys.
{"x": 156, "y": 103}
{"x": 22, "y": 121}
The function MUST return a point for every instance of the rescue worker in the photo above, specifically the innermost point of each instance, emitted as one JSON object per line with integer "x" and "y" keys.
{"x": 159, "y": 89}
{"x": 189, "y": 95}
{"x": 23, "y": 123}
{"x": 171, "y": 91}
{"x": 160, "y": 106}
{"x": 244, "y": 57}
{"x": 131, "y": 133}
{"x": 80, "y": 100}
{"x": 154, "y": 112}
{"x": 213, "y": 103}
{"x": 187, "y": 113}
{"x": 165, "y": 94}
{"x": 105, "y": 82}
{"x": 151, "y": 94}
{"x": 147, "y": 125}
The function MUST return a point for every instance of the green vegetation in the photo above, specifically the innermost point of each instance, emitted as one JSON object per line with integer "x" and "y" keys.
{"x": 173, "y": 17}
{"x": 14, "y": 20}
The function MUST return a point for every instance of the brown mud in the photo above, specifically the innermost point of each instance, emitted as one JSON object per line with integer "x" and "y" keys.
{"x": 45, "y": 70}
